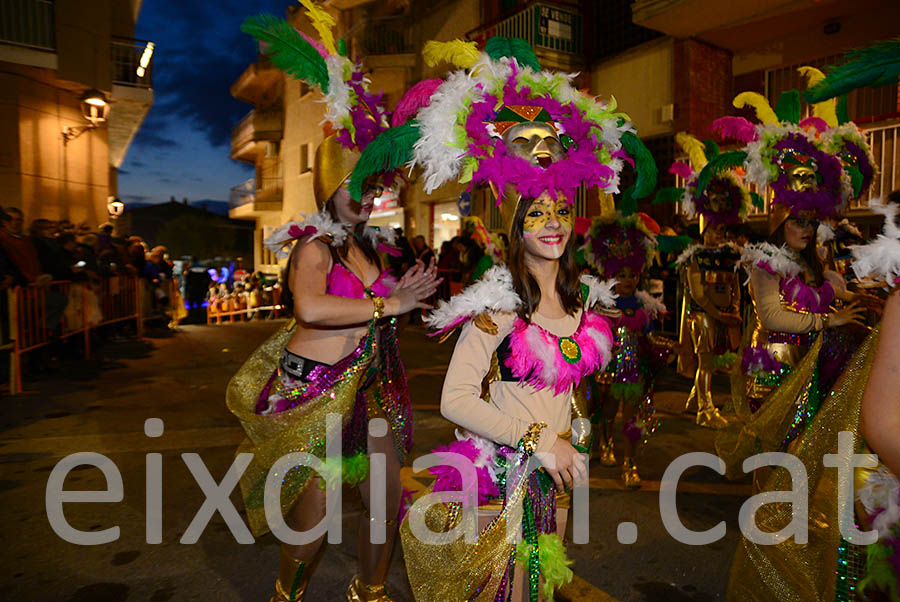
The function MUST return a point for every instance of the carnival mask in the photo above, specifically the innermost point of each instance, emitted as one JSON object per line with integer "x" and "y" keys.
{"x": 802, "y": 178}
{"x": 534, "y": 141}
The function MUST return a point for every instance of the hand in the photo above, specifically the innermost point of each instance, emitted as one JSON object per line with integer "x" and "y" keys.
{"x": 416, "y": 285}
{"x": 852, "y": 314}
{"x": 869, "y": 301}
{"x": 730, "y": 319}
{"x": 569, "y": 469}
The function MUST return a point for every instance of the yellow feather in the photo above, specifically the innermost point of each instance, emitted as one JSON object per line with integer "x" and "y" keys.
{"x": 456, "y": 52}
{"x": 323, "y": 22}
{"x": 825, "y": 110}
{"x": 763, "y": 109}
{"x": 694, "y": 148}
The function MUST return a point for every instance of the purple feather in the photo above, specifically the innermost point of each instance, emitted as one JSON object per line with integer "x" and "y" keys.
{"x": 682, "y": 170}
{"x": 738, "y": 128}
{"x": 824, "y": 202}
{"x": 417, "y": 97}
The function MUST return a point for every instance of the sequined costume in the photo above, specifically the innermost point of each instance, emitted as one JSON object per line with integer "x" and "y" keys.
{"x": 505, "y": 377}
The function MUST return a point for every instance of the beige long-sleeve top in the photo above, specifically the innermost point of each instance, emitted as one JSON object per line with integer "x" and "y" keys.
{"x": 773, "y": 315}
{"x": 513, "y": 406}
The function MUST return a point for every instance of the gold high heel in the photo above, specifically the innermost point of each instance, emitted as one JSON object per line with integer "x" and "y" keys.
{"x": 607, "y": 453}
{"x": 630, "y": 474}
{"x": 294, "y": 576}
{"x": 363, "y": 592}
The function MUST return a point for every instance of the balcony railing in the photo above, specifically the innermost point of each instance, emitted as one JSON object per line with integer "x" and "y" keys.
{"x": 544, "y": 25}
{"x": 267, "y": 189}
{"x": 243, "y": 193}
{"x": 132, "y": 62}
{"x": 389, "y": 35}
{"x": 258, "y": 124}
{"x": 28, "y": 23}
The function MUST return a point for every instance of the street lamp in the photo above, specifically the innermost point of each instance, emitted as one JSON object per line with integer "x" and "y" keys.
{"x": 114, "y": 207}
{"x": 94, "y": 108}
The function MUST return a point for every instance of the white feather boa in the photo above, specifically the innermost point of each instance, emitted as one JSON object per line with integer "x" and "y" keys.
{"x": 337, "y": 101}
{"x": 779, "y": 259}
{"x": 600, "y": 292}
{"x": 493, "y": 293}
{"x": 880, "y": 258}
{"x": 824, "y": 233}
{"x": 651, "y": 304}
{"x": 321, "y": 221}
{"x": 688, "y": 254}
{"x": 881, "y": 493}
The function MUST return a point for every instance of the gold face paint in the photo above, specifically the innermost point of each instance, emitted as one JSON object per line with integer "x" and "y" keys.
{"x": 802, "y": 178}
{"x": 535, "y": 141}
{"x": 543, "y": 210}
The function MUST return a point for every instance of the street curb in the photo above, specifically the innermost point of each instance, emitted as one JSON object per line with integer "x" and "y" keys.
{"x": 580, "y": 590}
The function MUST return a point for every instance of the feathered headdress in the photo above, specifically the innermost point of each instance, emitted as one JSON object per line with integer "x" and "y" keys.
{"x": 722, "y": 199}
{"x": 615, "y": 241}
{"x": 457, "y": 125}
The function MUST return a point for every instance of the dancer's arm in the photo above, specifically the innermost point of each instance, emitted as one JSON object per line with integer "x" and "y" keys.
{"x": 880, "y": 418}
{"x": 698, "y": 294}
{"x": 310, "y": 265}
{"x": 774, "y": 317}
{"x": 461, "y": 401}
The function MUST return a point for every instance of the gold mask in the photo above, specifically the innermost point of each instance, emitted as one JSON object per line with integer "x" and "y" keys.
{"x": 535, "y": 141}
{"x": 543, "y": 210}
{"x": 802, "y": 178}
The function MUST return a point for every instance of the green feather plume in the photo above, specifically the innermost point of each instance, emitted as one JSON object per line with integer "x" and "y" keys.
{"x": 673, "y": 244}
{"x": 288, "y": 50}
{"x": 342, "y": 46}
{"x": 788, "y": 107}
{"x": 711, "y": 149}
{"x": 757, "y": 201}
{"x": 880, "y": 575}
{"x": 843, "y": 114}
{"x": 644, "y": 167}
{"x": 497, "y": 48}
{"x": 552, "y": 559}
{"x": 392, "y": 149}
{"x": 856, "y": 179}
{"x": 668, "y": 195}
{"x": 870, "y": 66}
{"x": 721, "y": 163}
{"x": 724, "y": 361}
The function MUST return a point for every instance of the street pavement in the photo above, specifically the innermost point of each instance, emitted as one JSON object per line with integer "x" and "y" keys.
{"x": 100, "y": 405}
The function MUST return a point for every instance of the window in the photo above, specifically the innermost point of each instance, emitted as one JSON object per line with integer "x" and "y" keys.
{"x": 305, "y": 163}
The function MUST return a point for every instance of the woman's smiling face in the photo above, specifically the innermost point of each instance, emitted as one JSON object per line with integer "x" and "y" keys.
{"x": 547, "y": 227}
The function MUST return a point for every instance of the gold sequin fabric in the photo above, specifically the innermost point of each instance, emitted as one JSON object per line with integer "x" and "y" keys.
{"x": 809, "y": 572}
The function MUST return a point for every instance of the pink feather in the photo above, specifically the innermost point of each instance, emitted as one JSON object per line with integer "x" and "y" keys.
{"x": 315, "y": 44}
{"x": 417, "y": 97}
{"x": 734, "y": 127}
{"x": 681, "y": 169}
{"x": 814, "y": 122}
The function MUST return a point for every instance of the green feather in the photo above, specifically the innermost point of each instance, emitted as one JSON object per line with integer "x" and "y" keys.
{"x": 721, "y": 163}
{"x": 724, "y": 361}
{"x": 673, "y": 244}
{"x": 843, "y": 114}
{"x": 711, "y": 149}
{"x": 342, "y": 46}
{"x": 517, "y": 48}
{"x": 880, "y": 573}
{"x": 757, "y": 201}
{"x": 668, "y": 195}
{"x": 645, "y": 169}
{"x": 856, "y": 179}
{"x": 869, "y": 66}
{"x": 288, "y": 50}
{"x": 390, "y": 150}
{"x": 788, "y": 107}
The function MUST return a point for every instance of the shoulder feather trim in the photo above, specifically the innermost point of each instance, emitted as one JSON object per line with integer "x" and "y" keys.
{"x": 880, "y": 258}
{"x": 317, "y": 225}
{"x": 600, "y": 292}
{"x": 778, "y": 259}
{"x": 493, "y": 293}
{"x": 651, "y": 304}
{"x": 687, "y": 254}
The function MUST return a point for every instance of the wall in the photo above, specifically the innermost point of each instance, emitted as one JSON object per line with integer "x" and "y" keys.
{"x": 301, "y": 126}
{"x": 83, "y": 30}
{"x": 703, "y": 86}
{"x": 642, "y": 81}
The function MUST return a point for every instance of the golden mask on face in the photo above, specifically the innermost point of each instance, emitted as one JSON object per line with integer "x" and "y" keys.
{"x": 543, "y": 210}
{"x": 802, "y": 178}
{"x": 535, "y": 141}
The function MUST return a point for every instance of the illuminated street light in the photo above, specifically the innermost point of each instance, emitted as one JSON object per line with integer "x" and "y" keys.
{"x": 145, "y": 59}
{"x": 94, "y": 108}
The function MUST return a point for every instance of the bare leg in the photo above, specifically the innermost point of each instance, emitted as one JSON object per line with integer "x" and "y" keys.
{"x": 607, "y": 452}
{"x": 298, "y": 563}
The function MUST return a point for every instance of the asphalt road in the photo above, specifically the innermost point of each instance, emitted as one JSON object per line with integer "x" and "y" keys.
{"x": 101, "y": 405}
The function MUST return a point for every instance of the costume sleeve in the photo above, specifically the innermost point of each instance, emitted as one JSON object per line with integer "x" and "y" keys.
{"x": 461, "y": 401}
{"x": 695, "y": 288}
{"x": 774, "y": 317}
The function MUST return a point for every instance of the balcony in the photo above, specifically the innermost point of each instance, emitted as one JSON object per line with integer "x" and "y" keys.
{"x": 28, "y": 23}
{"x": 554, "y": 29}
{"x": 259, "y": 84}
{"x": 250, "y": 136}
{"x": 131, "y": 73}
{"x": 385, "y": 36}
{"x": 248, "y": 201}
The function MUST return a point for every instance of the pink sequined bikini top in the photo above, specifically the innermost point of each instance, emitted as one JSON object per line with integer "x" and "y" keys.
{"x": 341, "y": 282}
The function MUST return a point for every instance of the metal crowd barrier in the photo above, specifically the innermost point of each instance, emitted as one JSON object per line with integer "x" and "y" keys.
{"x": 233, "y": 310}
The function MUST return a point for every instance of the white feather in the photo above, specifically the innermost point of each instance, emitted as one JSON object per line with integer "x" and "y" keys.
{"x": 880, "y": 493}
{"x": 654, "y": 306}
{"x": 600, "y": 292}
{"x": 321, "y": 221}
{"x": 337, "y": 101}
{"x": 688, "y": 254}
{"x": 493, "y": 293}
{"x": 880, "y": 258}
{"x": 778, "y": 258}
{"x": 824, "y": 233}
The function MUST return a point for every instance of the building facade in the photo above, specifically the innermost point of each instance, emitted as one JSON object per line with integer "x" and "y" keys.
{"x": 60, "y": 60}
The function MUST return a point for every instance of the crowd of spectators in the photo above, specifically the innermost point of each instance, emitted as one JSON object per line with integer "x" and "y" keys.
{"x": 234, "y": 289}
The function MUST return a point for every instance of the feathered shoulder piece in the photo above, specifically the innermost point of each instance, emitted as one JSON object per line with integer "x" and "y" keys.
{"x": 357, "y": 115}
{"x": 778, "y": 261}
{"x": 492, "y": 294}
{"x": 317, "y": 225}
{"x": 880, "y": 258}
{"x": 651, "y": 304}
{"x": 596, "y": 292}
{"x": 688, "y": 254}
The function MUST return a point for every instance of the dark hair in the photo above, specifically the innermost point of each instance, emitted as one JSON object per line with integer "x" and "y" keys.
{"x": 808, "y": 254}
{"x": 568, "y": 285}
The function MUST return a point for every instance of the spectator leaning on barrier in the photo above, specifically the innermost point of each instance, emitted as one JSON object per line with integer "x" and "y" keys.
{"x": 19, "y": 249}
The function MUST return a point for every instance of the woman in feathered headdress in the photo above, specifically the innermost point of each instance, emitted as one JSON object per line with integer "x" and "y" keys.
{"x": 621, "y": 248}
{"x": 342, "y": 357}
{"x": 531, "y": 330}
